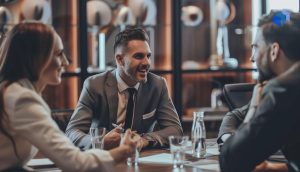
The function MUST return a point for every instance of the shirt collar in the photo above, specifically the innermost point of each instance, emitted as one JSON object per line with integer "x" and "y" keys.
{"x": 122, "y": 85}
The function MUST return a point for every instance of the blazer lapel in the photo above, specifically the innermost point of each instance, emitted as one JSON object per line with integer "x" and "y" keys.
{"x": 111, "y": 89}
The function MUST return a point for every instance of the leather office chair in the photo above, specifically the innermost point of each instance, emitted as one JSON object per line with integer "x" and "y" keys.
{"x": 62, "y": 117}
{"x": 237, "y": 95}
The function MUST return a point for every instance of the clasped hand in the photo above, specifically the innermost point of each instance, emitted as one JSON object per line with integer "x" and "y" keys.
{"x": 113, "y": 139}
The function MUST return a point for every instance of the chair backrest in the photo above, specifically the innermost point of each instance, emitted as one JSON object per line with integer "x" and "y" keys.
{"x": 237, "y": 95}
{"x": 62, "y": 117}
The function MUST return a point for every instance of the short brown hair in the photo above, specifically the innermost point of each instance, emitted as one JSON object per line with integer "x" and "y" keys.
{"x": 283, "y": 27}
{"x": 130, "y": 34}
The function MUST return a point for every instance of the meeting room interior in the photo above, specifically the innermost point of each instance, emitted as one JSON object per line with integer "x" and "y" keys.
{"x": 198, "y": 53}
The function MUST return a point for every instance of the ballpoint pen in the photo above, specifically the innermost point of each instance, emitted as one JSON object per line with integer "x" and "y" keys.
{"x": 118, "y": 126}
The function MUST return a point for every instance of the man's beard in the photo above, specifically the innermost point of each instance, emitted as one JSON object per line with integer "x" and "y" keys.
{"x": 143, "y": 81}
{"x": 265, "y": 72}
{"x": 264, "y": 76}
{"x": 133, "y": 77}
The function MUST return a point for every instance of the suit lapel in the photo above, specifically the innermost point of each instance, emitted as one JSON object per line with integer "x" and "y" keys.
{"x": 111, "y": 89}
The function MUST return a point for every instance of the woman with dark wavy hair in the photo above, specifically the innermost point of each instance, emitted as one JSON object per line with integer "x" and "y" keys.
{"x": 31, "y": 57}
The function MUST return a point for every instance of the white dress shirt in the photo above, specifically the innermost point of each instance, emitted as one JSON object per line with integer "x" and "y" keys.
{"x": 123, "y": 96}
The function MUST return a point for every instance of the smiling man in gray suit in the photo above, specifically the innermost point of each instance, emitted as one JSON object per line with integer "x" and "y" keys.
{"x": 106, "y": 98}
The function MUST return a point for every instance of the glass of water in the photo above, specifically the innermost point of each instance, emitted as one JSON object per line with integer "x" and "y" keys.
{"x": 178, "y": 146}
{"x": 133, "y": 160}
{"x": 97, "y": 135}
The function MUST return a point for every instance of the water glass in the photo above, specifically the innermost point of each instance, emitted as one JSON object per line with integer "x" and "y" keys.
{"x": 97, "y": 135}
{"x": 134, "y": 159}
{"x": 178, "y": 146}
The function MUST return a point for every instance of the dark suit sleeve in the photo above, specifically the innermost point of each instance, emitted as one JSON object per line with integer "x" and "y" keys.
{"x": 271, "y": 127}
{"x": 80, "y": 122}
{"x": 167, "y": 118}
{"x": 232, "y": 120}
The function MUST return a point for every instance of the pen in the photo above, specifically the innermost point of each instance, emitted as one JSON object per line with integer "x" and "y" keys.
{"x": 118, "y": 126}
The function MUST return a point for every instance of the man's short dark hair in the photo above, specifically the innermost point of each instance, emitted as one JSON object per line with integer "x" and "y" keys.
{"x": 283, "y": 27}
{"x": 130, "y": 34}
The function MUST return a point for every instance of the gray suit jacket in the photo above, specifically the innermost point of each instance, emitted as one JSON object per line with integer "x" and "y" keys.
{"x": 155, "y": 113}
{"x": 232, "y": 120}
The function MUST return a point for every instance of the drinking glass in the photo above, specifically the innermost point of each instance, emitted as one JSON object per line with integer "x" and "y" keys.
{"x": 134, "y": 159}
{"x": 178, "y": 146}
{"x": 97, "y": 135}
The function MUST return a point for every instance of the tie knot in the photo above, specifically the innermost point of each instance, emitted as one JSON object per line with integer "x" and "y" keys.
{"x": 131, "y": 90}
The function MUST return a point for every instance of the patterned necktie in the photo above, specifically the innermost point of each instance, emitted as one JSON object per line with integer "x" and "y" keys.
{"x": 129, "y": 110}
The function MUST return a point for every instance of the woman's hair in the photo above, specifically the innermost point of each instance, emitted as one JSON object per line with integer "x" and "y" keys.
{"x": 24, "y": 52}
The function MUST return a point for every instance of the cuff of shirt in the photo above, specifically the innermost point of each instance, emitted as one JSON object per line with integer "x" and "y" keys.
{"x": 223, "y": 138}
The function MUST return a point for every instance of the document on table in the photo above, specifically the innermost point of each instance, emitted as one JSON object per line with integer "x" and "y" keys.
{"x": 205, "y": 164}
{"x": 166, "y": 158}
{"x": 163, "y": 158}
{"x": 40, "y": 163}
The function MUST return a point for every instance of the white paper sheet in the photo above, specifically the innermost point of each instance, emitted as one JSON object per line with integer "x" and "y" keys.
{"x": 166, "y": 158}
{"x": 40, "y": 162}
{"x": 163, "y": 158}
{"x": 206, "y": 164}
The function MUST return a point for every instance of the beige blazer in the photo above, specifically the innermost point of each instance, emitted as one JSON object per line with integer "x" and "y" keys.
{"x": 154, "y": 111}
{"x": 33, "y": 129}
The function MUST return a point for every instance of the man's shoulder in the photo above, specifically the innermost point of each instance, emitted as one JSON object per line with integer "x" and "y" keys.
{"x": 101, "y": 77}
{"x": 289, "y": 80}
{"x": 279, "y": 85}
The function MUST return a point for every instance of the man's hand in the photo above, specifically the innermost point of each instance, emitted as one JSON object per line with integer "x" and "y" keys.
{"x": 271, "y": 167}
{"x": 142, "y": 143}
{"x": 255, "y": 100}
{"x": 112, "y": 138}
